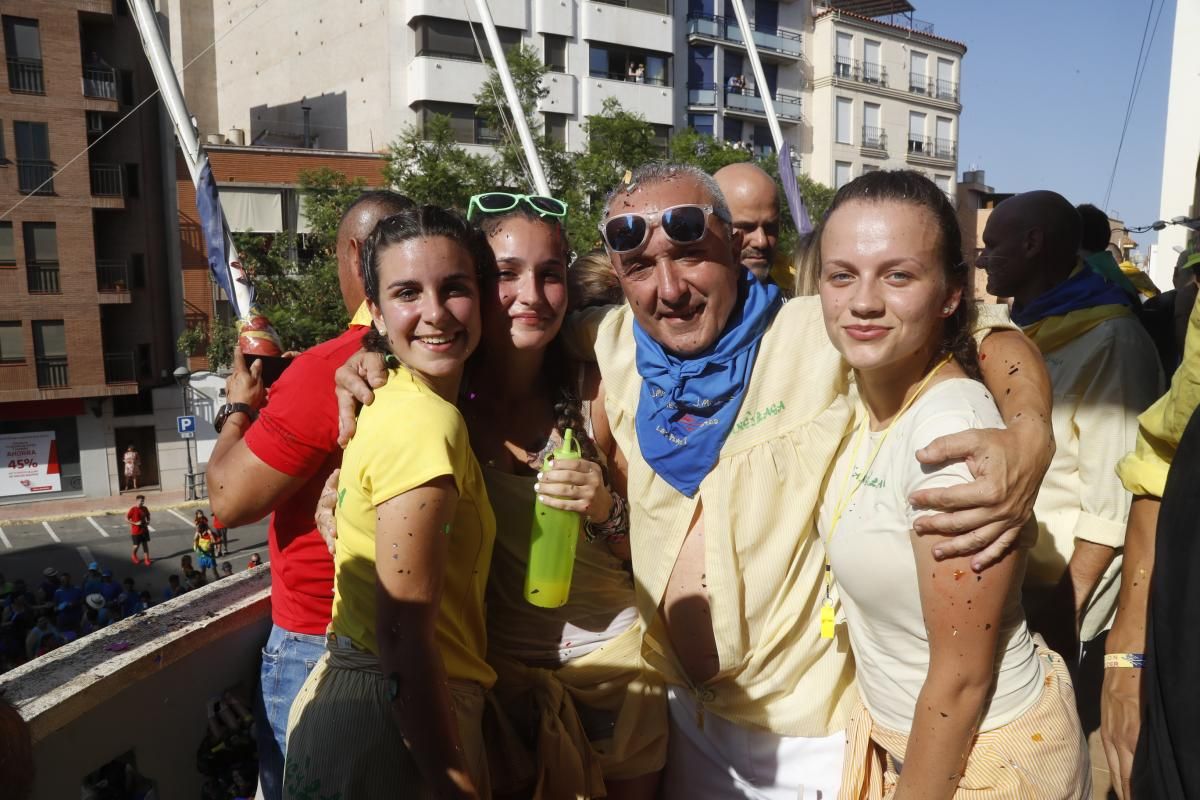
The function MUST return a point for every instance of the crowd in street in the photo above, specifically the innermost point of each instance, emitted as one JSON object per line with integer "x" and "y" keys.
{"x": 872, "y": 540}
{"x": 41, "y": 614}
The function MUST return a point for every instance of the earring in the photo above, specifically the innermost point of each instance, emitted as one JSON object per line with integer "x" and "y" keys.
{"x": 946, "y": 309}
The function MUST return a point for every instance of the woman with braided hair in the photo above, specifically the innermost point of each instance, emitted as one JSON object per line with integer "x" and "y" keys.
{"x": 569, "y": 680}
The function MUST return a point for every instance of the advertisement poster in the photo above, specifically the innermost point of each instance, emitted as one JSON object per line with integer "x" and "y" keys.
{"x": 28, "y": 464}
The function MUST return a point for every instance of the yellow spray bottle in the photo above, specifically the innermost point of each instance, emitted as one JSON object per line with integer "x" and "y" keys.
{"x": 552, "y": 544}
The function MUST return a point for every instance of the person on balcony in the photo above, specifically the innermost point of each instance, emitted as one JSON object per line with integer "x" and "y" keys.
{"x": 278, "y": 463}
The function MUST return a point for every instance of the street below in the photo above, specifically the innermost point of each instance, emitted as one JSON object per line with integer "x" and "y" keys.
{"x": 69, "y": 545}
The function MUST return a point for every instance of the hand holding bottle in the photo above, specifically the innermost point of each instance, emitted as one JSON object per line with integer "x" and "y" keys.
{"x": 575, "y": 484}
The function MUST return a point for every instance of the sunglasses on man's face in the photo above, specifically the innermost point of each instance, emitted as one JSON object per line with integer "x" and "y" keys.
{"x": 502, "y": 202}
{"x": 683, "y": 224}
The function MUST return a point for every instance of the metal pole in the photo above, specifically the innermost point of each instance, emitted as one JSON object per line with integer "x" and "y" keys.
{"x": 514, "y": 102}
{"x": 193, "y": 154}
{"x": 189, "y": 487}
{"x": 760, "y": 78}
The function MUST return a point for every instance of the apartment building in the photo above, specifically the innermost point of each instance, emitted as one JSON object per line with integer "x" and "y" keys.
{"x": 85, "y": 329}
{"x": 358, "y": 74}
{"x": 856, "y": 84}
{"x": 885, "y": 93}
{"x": 723, "y": 98}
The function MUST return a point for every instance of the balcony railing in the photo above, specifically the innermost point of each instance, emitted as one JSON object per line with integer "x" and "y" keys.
{"x": 874, "y": 138}
{"x": 100, "y": 82}
{"x": 780, "y": 40}
{"x": 868, "y": 72}
{"x": 34, "y": 177}
{"x": 925, "y": 147}
{"x": 787, "y": 106}
{"x": 43, "y": 277}
{"x": 52, "y": 372}
{"x": 120, "y": 368}
{"x": 946, "y": 90}
{"x": 622, "y": 76}
{"x": 112, "y": 275}
{"x": 702, "y": 94}
{"x": 655, "y": 6}
{"x": 25, "y": 76}
{"x": 106, "y": 180}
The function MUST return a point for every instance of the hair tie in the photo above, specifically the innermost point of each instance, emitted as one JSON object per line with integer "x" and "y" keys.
{"x": 391, "y": 361}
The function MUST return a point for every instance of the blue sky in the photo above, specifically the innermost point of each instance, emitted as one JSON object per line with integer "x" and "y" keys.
{"x": 1045, "y": 86}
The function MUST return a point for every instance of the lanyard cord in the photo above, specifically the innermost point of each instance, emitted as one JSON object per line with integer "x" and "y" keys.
{"x": 846, "y": 494}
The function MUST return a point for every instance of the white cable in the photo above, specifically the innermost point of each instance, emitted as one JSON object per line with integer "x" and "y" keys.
{"x": 512, "y": 137}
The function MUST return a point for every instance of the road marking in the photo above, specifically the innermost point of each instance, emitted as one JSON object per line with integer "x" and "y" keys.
{"x": 4, "y": 539}
{"x": 85, "y": 554}
{"x": 96, "y": 525}
{"x": 50, "y": 531}
{"x": 182, "y": 518}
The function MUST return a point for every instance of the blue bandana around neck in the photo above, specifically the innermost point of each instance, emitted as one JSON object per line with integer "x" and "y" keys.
{"x": 688, "y": 406}
{"x": 1084, "y": 289}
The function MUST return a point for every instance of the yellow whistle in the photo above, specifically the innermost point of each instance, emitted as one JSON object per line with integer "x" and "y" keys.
{"x": 827, "y": 623}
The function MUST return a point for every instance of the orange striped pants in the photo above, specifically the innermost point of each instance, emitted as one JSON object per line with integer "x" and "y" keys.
{"x": 1041, "y": 755}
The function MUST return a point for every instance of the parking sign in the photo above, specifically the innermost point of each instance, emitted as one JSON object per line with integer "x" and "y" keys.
{"x": 186, "y": 427}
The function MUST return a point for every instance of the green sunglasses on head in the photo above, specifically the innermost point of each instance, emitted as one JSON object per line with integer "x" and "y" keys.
{"x": 501, "y": 202}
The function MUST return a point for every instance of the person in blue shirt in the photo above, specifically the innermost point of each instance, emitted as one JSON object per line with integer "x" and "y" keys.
{"x": 109, "y": 588}
{"x": 91, "y": 581}
{"x": 68, "y": 600}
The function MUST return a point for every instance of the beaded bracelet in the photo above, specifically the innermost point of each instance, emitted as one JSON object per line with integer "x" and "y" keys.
{"x": 1131, "y": 660}
{"x": 615, "y": 528}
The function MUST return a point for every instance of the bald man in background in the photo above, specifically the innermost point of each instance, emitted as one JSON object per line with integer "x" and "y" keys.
{"x": 1104, "y": 371}
{"x": 753, "y": 200}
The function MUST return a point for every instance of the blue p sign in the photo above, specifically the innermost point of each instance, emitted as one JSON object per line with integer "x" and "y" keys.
{"x": 186, "y": 427}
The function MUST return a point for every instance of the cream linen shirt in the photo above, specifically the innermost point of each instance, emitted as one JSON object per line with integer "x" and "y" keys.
{"x": 763, "y": 560}
{"x": 1102, "y": 380}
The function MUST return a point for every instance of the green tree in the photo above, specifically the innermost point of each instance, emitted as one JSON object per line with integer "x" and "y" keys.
{"x": 618, "y": 140}
{"x": 216, "y": 340}
{"x": 296, "y": 278}
{"x": 429, "y": 166}
{"x": 703, "y": 151}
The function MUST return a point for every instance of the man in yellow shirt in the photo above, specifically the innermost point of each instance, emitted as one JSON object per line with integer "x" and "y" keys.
{"x": 723, "y": 496}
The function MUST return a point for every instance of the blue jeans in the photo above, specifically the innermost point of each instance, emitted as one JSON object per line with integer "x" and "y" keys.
{"x": 287, "y": 659}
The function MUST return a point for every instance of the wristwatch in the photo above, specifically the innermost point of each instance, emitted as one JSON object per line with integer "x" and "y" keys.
{"x": 232, "y": 408}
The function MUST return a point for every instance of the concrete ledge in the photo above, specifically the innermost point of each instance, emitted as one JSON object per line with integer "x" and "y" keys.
{"x": 54, "y": 690}
{"x": 140, "y": 687}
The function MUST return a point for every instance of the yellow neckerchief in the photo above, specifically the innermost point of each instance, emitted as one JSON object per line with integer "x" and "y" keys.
{"x": 362, "y": 317}
{"x": 847, "y": 491}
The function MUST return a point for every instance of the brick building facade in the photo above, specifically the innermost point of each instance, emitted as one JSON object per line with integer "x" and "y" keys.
{"x": 84, "y": 316}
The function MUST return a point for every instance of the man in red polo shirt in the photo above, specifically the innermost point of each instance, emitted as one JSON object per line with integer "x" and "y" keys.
{"x": 279, "y": 462}
{"x": 139, "y": 528}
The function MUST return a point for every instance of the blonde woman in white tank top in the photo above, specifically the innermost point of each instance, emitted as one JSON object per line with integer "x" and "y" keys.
{"x": 956, "y": 699}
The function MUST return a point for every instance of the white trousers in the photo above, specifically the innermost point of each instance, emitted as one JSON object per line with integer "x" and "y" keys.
{"x": 726, "y": 761}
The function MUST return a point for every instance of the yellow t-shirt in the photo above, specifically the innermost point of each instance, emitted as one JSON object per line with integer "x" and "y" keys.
{"x": 1144, "y": 471}
{"x": 763, "y": 560}
{"x": 406, "y": 438}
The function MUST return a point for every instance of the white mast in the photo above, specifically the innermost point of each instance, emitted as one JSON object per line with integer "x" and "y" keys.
{"x": 760, "y": 79}
{"x": 193, "y": 154}
{"x": 514, "y": 102}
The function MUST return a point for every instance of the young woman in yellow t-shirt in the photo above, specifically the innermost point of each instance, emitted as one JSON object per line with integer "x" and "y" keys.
{"x": 394, "y": 707}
